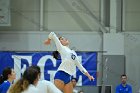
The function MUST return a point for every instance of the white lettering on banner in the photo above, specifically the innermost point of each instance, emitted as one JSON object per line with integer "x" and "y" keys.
{"x": 42, "y": 62}
{"x": 17, "y": 64}
{"x": 52, "y": 74}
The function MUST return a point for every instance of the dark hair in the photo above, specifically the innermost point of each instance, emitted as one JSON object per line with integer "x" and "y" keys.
{"x": 29, "y": 76}
{"x": 74, "y": 79}
{"x": 5, "y": 74}
{"x": 55, "y": 54}
{"x": 123, "y": 75}
{"x": 36, "y": 67}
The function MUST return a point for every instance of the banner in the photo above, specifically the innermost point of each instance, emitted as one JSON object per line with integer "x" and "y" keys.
{"x": 21, "y": 60}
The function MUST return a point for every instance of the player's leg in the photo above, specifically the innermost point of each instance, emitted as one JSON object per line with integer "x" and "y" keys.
{"x": 68, "y": 88}
{"x": 59, "y": 84}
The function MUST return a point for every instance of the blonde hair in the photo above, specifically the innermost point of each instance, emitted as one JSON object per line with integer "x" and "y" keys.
{"x": 19, "y": 86}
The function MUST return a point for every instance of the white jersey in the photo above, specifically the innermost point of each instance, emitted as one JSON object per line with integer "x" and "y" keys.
{"x": 31, "y": 89}
{"x": 45, "y": 86}
{"x": 68, "y": 56}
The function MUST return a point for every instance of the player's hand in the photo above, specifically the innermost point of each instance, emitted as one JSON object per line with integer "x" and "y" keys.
{"x": 91, "y": 78}
{"x": 47, "y": 42}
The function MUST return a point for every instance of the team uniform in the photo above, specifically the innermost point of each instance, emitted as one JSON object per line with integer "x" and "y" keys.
{"x": 123, "y": 89}
{"x": 69, "y": 61}
{"x": 45, "y": 86}
{"x": 5, "y": 86}
{"x": 31, "y": 89}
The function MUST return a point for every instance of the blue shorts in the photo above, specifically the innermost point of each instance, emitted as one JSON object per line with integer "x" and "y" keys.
{"x": 61, "y": 75}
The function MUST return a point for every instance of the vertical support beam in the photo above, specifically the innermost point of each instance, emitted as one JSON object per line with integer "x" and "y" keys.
{"x": 41, "y": 15}
{"x": 116, "y": 14}
{"x": 124, "y": 14}
{"x": 113, "y": 16}
{"x": 101, "y": 67}
{"x": 102, "y": 8}
{"x": 102, "y": 11}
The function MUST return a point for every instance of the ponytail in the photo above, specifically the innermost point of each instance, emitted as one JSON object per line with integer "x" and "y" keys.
{"x": 19, "y": 86}
{"x": 55, "y": 54}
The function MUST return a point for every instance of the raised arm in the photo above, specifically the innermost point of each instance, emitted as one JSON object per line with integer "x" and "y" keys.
{"x": 52, "y": 36}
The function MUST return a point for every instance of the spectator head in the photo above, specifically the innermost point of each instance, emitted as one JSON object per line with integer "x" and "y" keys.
{"x": 74, "y": 81}
{"x": 123, "y": 79}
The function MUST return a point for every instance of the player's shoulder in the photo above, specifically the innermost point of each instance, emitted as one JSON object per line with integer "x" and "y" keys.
{"x": 6, "y": 84}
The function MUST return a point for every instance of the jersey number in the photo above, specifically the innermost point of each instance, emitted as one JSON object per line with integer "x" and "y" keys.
{"x": 73, "y": 56}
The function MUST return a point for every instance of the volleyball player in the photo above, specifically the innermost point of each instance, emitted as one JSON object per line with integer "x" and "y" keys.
{"x": 6, "y": 79}
{"x": 67, "y": 68}
{"x": 45, "y": 86}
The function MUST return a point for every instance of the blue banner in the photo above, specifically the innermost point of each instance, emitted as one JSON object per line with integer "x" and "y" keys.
{"x": 21, "y": 60}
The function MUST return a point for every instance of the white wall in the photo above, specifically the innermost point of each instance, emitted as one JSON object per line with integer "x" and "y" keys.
{"x": 113, "y": 43}
{"x": 33, "y": 41}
